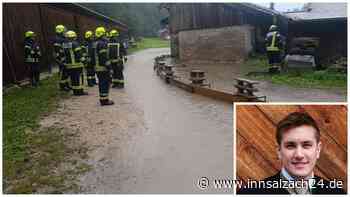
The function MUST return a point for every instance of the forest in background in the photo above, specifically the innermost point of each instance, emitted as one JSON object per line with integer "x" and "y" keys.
{"x": 143, "y": 19}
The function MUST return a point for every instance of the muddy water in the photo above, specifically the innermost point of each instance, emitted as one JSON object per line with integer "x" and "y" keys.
{"x": 221, "y": 77}
{"x": 170, "y": 140}
{"x": 188, "y": 136}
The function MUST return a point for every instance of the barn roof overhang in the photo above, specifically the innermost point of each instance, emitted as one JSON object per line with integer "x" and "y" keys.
{"x": 88, "y": 12}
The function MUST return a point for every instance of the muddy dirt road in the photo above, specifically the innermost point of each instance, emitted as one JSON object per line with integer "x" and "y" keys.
{"x": 155, "y": 139}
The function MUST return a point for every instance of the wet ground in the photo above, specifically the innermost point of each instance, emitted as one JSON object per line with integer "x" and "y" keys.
{"x": 158, "y": 138}
{"x": 155, "y": 139}
{"x": 221, "y": 77}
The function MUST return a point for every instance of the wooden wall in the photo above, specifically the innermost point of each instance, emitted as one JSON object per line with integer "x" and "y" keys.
{"x": 257, "y": 147}
{"x": 42, "y": 19}
{"x": 189, "y": 16}
{"x": 192, "y": 16}
{"x": 333, "y": 37}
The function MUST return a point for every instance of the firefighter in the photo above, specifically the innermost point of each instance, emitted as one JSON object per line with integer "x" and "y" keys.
{"x": 59, "y": 57}
{"x": 32, "y": 55}
{"x": 74, "y": 62}
{"x": 90, "y": 68}
{"x": 102, "y": 65}
{"x": 274, "y": 45}
{"x": 116, "y": 54}
{"x": 108, "y": 36}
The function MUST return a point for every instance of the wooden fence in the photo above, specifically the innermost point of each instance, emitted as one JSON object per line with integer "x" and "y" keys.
{"x": 257, "y": 147}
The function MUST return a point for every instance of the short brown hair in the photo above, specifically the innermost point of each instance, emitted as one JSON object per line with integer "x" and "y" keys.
{"x": 293, "y": 120}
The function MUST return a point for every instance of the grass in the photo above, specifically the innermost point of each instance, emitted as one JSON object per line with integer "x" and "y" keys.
{"x": 305, "y": 79}
{"x": 31, "y": 154}
{"x": 146, "y": 43}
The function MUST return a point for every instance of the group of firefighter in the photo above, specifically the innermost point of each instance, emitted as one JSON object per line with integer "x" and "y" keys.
{"x": 99, "y": 54}
{"x": 102, "y": 53}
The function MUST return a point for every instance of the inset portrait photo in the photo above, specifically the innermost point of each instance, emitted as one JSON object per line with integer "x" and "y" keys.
{"x": 291, "y": 149}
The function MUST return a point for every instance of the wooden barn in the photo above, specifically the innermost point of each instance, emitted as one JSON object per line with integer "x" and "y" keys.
{"x": 326, "y": 21}
{"x": 42, "y": 19}
{"x": 230, "y": 31}
{"x": 256, "y": 147}
{"x": 220, "y": 31}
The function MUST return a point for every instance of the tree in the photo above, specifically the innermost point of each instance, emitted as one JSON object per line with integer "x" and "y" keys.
{"x": 143, "y": 19}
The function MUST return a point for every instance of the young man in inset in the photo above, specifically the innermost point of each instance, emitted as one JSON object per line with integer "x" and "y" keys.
{"x": 299, "y": 147}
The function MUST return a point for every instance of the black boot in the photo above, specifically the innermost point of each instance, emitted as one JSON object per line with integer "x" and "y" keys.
{"x": 65, "y": 88}
{"x": 106, "y": 102}
{"x": 80, "y": 93}
{"x": 114, "y": 85}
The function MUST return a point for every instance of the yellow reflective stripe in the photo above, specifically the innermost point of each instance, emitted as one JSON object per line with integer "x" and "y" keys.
{"x": 115, "y": 60}
{"x": 103, "y": 51}
{"x": 104, "y": 96}
{"x": 72, "y": 57}
{"x": 27, "y": 46}
{"x": 77, "y": 49}
{"x": 272, "y": 47}
{"x": 273, "y": 39}
{"x": 78, "y": 65}
{"x": 29, "y": 59}
{"x": 64, "y": 81}
{"x": 77, "y": 87}
{"x": 57, "y": 44}
{"x": 100, "y": 68}
{"x": 109, "y": 46}
{"x": 117, "y": 80}
{"x": 91, "y": 77}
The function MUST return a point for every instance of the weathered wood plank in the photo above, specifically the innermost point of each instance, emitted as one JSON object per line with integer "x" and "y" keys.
{"x": 251, "y": 164}
{"x": 258, "y": 133}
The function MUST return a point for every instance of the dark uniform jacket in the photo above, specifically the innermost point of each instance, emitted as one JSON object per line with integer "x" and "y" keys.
{"x": 274, "y": 41}
{"x": 101, "y": 58}
{"x": 58, "y": 48}
{"x": 89, "y": 53}
{"x": 32, "y": 51}
{"x": 321, "y": 187}
{"x": 122, "y": 48}
{"x": 73, "y": 56}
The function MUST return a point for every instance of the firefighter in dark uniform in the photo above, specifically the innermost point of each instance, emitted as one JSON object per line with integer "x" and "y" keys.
{"x": 73, "y": 61}
{"x": 59, "y": 57}
{"x": 90, "y": 68}
{"x": 274, "y": 45}
{"x": 32, "y": 55}
{"x": 116, "y": 53}
{"x": 102, "y": 65}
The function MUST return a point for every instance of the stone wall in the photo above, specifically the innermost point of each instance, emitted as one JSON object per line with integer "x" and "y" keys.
{"x": 227, "y": 44}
